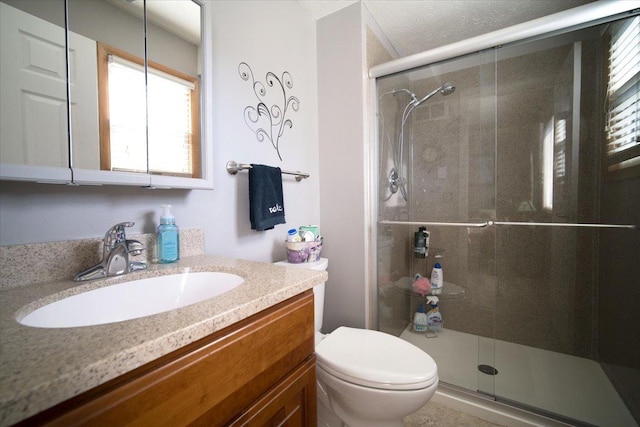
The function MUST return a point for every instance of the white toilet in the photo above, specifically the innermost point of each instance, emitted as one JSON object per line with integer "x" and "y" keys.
{"x": 364, "y": 377}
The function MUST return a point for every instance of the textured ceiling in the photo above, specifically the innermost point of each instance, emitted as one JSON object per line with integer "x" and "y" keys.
{"x": 414, "y": 26}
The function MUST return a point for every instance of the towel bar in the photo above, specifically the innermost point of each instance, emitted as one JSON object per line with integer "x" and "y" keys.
{"x": 233, "y": 168}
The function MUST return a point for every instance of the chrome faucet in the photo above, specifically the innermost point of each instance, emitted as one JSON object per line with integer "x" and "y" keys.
{"x": 115, "y": 255}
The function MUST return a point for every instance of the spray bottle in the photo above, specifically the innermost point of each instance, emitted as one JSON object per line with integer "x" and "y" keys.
{"x": 434, "y": 318}
{"x": 168, "y": 237}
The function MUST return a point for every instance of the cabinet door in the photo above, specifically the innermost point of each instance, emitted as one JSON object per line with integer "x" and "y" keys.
{"x": 292, "y": 403}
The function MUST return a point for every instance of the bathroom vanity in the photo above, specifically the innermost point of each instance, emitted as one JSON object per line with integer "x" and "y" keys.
{"x": 260, "y": 371}
{"x": 245, "y": 357}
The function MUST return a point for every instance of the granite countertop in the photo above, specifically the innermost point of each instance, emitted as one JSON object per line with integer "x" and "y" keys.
{"x": 42, "y": 367}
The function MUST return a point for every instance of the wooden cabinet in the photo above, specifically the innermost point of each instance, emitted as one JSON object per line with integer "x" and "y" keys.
{"x": 257, "y": 372}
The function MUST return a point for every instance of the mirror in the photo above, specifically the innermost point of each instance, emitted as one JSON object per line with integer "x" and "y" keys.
{"x": 173, "y": 49}
{"x": 133, "y": 130}
{"x": 114, "y": 138}
{"x": 91, "y": 27}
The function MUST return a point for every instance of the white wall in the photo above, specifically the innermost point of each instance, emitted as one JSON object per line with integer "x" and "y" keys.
{"x": 274, "y": 36}
{"x": 343, "y": 162}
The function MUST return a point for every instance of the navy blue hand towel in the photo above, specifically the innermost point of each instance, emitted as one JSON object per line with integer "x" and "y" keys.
{"x": 266, "y": 204}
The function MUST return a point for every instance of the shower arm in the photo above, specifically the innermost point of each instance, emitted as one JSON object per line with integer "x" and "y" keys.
{"x": 446, "y": 89}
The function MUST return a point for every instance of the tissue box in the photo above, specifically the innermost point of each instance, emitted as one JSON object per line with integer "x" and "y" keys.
{"x": 298, "y": 252}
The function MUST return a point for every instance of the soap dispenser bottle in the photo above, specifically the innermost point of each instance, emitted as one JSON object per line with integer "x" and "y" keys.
{"x": 168, "y": 237}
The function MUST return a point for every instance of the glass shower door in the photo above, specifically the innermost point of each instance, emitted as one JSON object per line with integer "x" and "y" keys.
{"x": 550, "y": 175}
{"x": 437, "y": 171}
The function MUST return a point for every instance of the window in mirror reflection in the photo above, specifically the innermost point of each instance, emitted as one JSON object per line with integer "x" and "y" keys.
{"x": 623, "y": 99}
{"x": 173, "y": 117}
{"x": 553, "y": 159}
{"x": 125, "y": 138}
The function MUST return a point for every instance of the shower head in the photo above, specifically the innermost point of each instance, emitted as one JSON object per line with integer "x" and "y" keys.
{"x": 446, "y": 89}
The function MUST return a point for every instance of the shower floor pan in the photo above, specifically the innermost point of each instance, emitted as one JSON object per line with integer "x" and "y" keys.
{"x": 555, "y": 383}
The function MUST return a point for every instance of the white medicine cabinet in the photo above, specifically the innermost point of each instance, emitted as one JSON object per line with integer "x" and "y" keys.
{"x": 94, "y": 93}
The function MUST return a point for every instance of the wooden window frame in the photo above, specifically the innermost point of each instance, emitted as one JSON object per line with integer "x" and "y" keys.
{"x": 103, "y": 52}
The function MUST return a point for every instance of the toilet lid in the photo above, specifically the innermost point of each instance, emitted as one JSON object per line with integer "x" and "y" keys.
{"x": 375, "y": 359}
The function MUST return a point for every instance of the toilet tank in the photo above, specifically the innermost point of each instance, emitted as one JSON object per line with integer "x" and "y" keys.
{"x": 318, "y": 290}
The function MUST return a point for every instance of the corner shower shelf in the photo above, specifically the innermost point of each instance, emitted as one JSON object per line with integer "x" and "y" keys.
{"x": 448, "y": 291}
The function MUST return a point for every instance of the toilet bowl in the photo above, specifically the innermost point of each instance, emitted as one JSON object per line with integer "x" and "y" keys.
{"x": 364, "y": 377}
{"x": 372, "y": 378}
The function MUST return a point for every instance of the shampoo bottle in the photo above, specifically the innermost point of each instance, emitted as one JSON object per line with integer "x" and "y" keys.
{"x": 434, "y": 318}
{"x": 168, "y": 238}
{"x": 420, "y": 320}
{"x": 437, "y": 279}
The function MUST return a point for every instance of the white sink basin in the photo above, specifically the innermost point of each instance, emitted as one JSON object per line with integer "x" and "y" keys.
{"x": 131, "y": 300}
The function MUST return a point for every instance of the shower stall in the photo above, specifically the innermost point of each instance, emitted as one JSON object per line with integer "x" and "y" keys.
{"x": 522, "y": 161}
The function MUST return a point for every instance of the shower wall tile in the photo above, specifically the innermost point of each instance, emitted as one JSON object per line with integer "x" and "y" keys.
{"x": 541, "y": 275}
{"x": 521, "y": 294}
{"x": 482, "y": 290}
{"x": 467, "y": 317}
{"x": 529, "y": 328}
{"x": 452, "y": 172}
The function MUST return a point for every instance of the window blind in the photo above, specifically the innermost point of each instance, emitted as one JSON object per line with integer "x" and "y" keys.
{"x": 167, "y": 104}
{"x": 127, "y": 116}
{"x": 169, "y": 125}
{"x": 623, "y": 95}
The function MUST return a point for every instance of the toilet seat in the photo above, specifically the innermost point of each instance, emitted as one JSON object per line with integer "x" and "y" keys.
{"x": 375, "y": 359}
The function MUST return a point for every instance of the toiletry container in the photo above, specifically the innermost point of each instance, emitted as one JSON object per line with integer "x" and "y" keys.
{"x": 434, "y": 317}
{"x": 437, "y": 278}
{"x": 293, "y": 236}
{"x": 168, "y": 237}
{"x": 420, "y": 320}
{"x": 309, "y": 233}
{"x": 421, "y": 243}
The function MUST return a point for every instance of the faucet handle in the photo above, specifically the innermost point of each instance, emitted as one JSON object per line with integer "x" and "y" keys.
{"x": 116, "y": 235}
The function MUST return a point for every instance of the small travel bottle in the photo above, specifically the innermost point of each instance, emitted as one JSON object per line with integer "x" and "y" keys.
{"x": 293, "y": 236}
{"x": 168, "y": 238}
